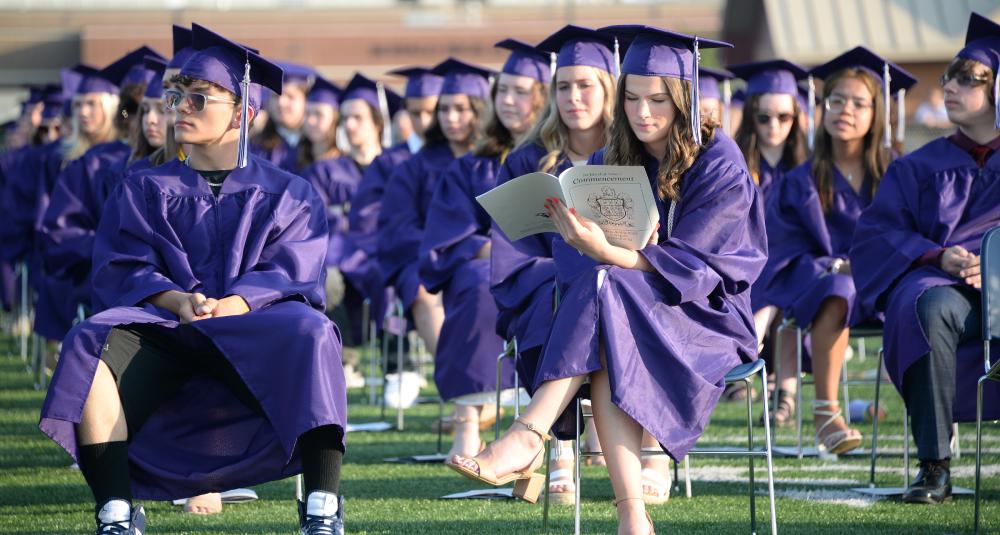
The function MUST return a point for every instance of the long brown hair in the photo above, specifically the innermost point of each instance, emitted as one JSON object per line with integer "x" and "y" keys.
{"x": 480, "y": 108}
{"x": 875, "y": 157}
{"x": 305, "y": 148}
{"x": 792, "y": 154}
{"x": 551, "y": 133}
{"x": 137, "y": 137}
{"x": 497, "y": 139}
{"x": 624, "y": 148}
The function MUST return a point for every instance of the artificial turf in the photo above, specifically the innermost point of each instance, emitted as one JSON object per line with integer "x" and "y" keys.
{"x": 40, "y": 493}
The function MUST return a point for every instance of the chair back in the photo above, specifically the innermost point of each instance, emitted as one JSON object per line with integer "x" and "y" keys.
{"x": 989, "y": 258}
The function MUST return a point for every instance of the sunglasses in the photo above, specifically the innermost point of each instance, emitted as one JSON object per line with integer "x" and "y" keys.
{"x": 765, "y": 118}
{"x": 173, "y": 98}
{"x": 964, "y": 79}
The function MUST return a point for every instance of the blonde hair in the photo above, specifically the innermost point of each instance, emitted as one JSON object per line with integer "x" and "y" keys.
{"x": 77, "y": 143}
{"x": 551, "y": 133}
{"x": 624, "y": 148}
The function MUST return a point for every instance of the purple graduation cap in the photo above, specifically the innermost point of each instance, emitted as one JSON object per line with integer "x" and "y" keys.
{"x": 90, "y": 81}
{"x": 182, "y": 47}
{"x": 772, "y": 76}
{"x": 655, "y": 52}
{"x": 376, "y": 95}
{"x": 982, "y": 44}
{"x": 462, "y": 78}
{"x": 526, "y": 60}
{"x": 235, "y": 68}
{"x": 130, "y": 68}
{"x": 52, "y": 99}
{"x": 891, "y": 76}
{"x": 154, "y": 89}
{"x": 739, "y": 98}
{"x": 714, "y": 83}
{"x": 420, "y": 82}
{"x": 297, "y": 73}
{"x": 324, "y": 91}
{"x": 576, "y": 45}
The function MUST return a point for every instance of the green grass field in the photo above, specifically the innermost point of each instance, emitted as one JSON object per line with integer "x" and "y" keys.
{"x": 40, "y": 494}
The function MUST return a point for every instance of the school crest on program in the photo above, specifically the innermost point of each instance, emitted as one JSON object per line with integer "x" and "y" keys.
{"x": 613, "y": 205}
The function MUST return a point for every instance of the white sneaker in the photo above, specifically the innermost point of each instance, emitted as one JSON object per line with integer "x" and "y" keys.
{"x": 401, "y": 393}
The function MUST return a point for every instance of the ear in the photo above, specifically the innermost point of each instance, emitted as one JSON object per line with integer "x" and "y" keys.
{"x": 251, "y": 113}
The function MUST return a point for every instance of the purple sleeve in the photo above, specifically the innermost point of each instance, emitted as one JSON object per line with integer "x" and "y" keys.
{"x": 70, "y": 221}
{"x": 718, "y": 245}
{"x": 291, "y": 266}
{"x": 359, "y": 263}
{"x": 400, "y": 228}
{"x": 887, "y": 239}
{"x": 454, "y": 231}
{"x": 128, "y": 269}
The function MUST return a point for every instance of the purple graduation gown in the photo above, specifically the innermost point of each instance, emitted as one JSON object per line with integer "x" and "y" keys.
{"x": 263, "y": 238}
{"x": 522, "y": 272}
{"x": 336, "y": 180}
{"x": 71, "y": 218}
{"x": 669, "y": 336}
{"x": 803, "y": 242}
{"x": 403, "y": 214}
{"x": 282, "y": 155}
{"x": 932, "y": 198}
{"x": 359, "y": 263}
{"x": 768, "y": 180}
{"x": 455, "y": 230}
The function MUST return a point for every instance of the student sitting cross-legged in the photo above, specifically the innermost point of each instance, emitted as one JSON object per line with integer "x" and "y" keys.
{"x": 211, "y": 365}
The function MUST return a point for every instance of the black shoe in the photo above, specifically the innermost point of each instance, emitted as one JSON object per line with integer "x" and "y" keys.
{"x": 135, "y": 526}
{"x": 933, "y": 484}
{"x": 322, "y": 525}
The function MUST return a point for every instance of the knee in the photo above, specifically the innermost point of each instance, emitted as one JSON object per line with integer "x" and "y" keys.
{"x": 833, "y": 309}
{"x": 938, "y": 307}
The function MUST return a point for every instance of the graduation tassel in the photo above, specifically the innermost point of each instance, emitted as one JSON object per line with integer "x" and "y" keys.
{"x": 695, "y": 96}
{"x": 383, "y": 108}
{"x": 900, "y": 115}
{"x": 811, "y": 114}
{"x": 887, "y": 138}
{"x": 553, "y": 65}
{"x": 996, "y": 102}
{"x": 727, "y": 100}
{"x": 241, "y": 151}
{"x": 618, "y": 61}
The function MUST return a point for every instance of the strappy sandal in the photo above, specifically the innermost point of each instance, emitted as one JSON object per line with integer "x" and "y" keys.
{"x": 654, "y": 479}
{"x": 836, "y": 442}
{"x": 486, "y": 420}
{"x": 737, "y": 392}
{"x": 784, "y": 412}
{"x": 652, "y": 531}
{"x": 562, "y": 477}
{"x": 528, "y": 482}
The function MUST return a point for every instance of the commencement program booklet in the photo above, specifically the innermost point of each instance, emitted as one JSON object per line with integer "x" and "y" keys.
{"x": 618, "y": 198}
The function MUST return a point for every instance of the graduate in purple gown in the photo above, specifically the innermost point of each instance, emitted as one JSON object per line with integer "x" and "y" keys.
{"x": 522, "y": 274}
{"x": 279, "y": 140}
{"x": 359, "y": 265}
{"x": 772, "y": 144}
{"x": 915, "y": 258}
{"x": 810, "y": 223}
{"x": 83, "y": 186}
{"x": 627, "y": 318}
{"x": 710, "y": 98}
{"x": 455, "y": 253}
{"x": 206, "y": 270}
{"x": 458, "y": 118}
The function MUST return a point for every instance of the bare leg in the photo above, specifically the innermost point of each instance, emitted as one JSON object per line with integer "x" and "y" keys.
{"x": 621, "y": 438}
{"x": 658, "y": 463}
{"x": 428, "y": 314}
{"x": 205, "y": 504}
{"x": 467, "y": 440}
{"x": 829, "y": 341}
{"x": 518, "y": 446}
{"x": 762, "y": 322}
{"x": 103, "y": 418}
{"x": 787, "y": 381}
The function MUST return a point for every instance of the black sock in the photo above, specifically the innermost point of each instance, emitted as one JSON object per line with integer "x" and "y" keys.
{"x": 322, "y": 452}
{"x": 105, "y": 467}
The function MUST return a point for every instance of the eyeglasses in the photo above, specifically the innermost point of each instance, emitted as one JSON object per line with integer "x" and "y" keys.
{"x": 765, "y": 118}
{"x": 965, "y": 79}
{"x": 173, "y": 98}
{"x": 837, "y": 103}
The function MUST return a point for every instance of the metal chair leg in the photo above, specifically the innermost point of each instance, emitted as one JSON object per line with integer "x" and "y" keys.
{"x": 576, "y": 468}
{"x": 753, "y": 495}
{"x": 798, "y": 390}
{"x": 878, "y": 389}
{"x": 769, "y": 455}
{"x": 979, "y": 446}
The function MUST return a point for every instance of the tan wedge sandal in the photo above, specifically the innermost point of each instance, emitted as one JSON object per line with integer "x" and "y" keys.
{"x": 528, "y": 482}
{"x": 835, "y": 442}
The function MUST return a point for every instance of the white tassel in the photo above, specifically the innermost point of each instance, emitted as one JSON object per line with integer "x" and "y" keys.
{"x": 618, "y": 61}
{"x": 243, "y": 148}
{"x": 996, "y": 102}
{"x": 383, "y": 108}
{"x": 886, "y": 101}
{"x": 811, "y": 113}
{"x": 553, "y": 65}
{"x": 695, "y": 95}
{"x": 900, "y": 115}
{"x": 727, "y": 100}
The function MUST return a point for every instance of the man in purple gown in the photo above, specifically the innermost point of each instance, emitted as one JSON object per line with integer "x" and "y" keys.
{"x": 915, "y": 258}
{"x": 212, "y": 365}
